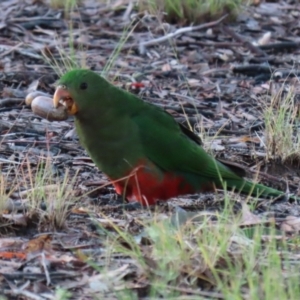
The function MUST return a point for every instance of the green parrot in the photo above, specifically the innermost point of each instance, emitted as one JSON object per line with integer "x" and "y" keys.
{"x": 145, "y": 153}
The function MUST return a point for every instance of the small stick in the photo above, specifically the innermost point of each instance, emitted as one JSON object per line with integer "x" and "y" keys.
{"x": 182, "y": 30}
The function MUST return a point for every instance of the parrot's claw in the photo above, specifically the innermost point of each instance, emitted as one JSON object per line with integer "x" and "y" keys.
{"x": 127, "y": 205}
{"x": 132, "y": 206}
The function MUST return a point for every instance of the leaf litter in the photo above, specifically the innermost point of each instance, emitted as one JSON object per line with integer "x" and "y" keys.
{"x": 214, "y": 78}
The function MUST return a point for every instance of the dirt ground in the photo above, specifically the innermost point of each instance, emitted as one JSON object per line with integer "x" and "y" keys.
{"x": 219, "y": 77}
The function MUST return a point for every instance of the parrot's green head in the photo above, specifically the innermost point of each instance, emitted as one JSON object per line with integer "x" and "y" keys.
{"x": 78, "y": 89}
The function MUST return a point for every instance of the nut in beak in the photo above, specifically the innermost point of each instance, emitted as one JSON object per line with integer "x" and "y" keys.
{"x": 62, "y": 95}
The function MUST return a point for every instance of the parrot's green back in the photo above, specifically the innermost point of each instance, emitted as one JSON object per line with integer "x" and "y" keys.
{"x": 129, "y": 138}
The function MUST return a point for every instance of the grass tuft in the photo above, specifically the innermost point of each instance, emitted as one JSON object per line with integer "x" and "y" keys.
{"x": 49, "y": 196}
{"x": 282, "y": 118}
{"x": 191, "y": 11}
{"x": 67, "y": 5}
{"x": 211, "y": 252}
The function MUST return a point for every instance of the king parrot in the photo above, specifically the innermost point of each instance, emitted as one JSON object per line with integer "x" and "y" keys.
{"x": 145, "y": 153}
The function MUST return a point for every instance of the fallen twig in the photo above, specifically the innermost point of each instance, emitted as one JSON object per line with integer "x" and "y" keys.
{"x": 180, "y": 31}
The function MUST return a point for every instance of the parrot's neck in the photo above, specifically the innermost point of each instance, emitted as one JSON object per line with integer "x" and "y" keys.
{"x": 109, "y": 140}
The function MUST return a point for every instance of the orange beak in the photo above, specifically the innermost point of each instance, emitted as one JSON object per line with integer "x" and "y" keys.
{"x": 62, "y": 95}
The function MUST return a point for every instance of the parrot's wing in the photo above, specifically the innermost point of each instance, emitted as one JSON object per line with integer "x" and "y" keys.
{"x": 172, "y": 149}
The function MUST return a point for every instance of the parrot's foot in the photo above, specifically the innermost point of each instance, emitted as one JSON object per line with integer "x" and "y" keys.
{"x": 120, "y": 202}
{"x": 131, "y": 206}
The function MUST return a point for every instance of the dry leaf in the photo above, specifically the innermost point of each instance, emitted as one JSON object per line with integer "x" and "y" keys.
{"x": 291, "y": 224}
{"x": 265, "y": 39}
{"x": 39, "y": 244}
{"x": 248, "y": 218}
{"x": 166, "y": 68}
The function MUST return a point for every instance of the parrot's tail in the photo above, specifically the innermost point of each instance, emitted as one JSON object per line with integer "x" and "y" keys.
{"x": 256, "y": 189}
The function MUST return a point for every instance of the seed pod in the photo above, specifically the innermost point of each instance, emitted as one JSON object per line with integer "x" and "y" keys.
{"x": 29, "y": 98}
{"x": 43, "y": 107}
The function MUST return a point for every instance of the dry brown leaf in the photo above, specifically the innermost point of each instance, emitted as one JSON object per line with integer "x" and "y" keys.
{"x": 291, "y": 224}
{"x": 39, "y": 244}
{"x": 248, "y": 218}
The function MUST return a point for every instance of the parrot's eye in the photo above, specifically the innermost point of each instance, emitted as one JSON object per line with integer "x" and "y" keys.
{"x": 83, "y": 86}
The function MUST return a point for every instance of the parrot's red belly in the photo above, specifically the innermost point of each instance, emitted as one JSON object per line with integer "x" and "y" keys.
{"x": 147, "y": 185}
